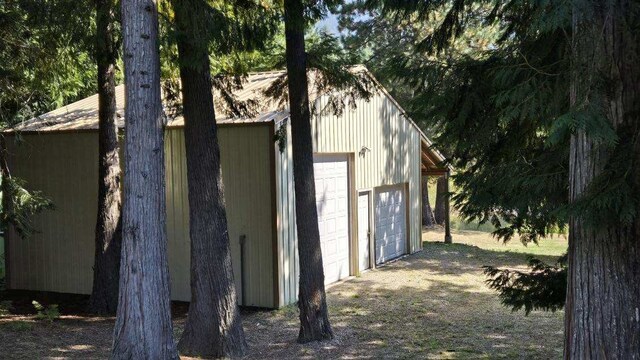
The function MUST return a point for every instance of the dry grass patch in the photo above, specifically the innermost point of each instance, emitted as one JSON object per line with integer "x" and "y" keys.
{"x": 432, "y": 304}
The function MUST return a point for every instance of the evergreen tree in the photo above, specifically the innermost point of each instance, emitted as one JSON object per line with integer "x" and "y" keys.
{"x": 486, "y": 107}
{"x": 143, "y": 328}
{"x": 214, "y": 327}
{"x": 542, "y": 287}
{"x": 108, "y": 241}
{"x": 428, "y": 219}
{"x": 520, "y": 134}
{"x": 602, "y": 319}
{"x": 314, "y": 317}
{"x": 322, "y": 54}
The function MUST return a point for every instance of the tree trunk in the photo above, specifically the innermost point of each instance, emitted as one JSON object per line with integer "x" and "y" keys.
{"x": 214, "y": 327}
{"x": 7, "y": 205}
{"x": 143, "y": 328}
{"x": 428, "y": 219}
{"x": 314, "y": 317}
{"x": 602, "y": 312}
{"x": 440, "y": 210}
{"x": 108, "y": 241}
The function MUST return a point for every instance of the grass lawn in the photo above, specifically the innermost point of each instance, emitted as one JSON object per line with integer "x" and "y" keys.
{"x": 552, "y": 247}
{"x": 430, "y": 305}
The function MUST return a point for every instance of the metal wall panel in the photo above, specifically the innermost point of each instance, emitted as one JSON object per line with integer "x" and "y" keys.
{"x": 288, "y": 265}
{"x": 59, "y": 256}
{"x": 64, "y": 167}
{"x": 387, "y": 152}
{"x": 386, "y": 147}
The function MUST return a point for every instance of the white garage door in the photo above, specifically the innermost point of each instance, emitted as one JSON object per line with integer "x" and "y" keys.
{"x": 390, "y": 224}
{"x": 332, "y": 194}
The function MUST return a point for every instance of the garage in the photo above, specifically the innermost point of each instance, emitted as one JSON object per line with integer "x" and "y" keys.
{"x": 390, "y": 224}
{"x": 369, "y": 206}
{"x": 332, "y": 201}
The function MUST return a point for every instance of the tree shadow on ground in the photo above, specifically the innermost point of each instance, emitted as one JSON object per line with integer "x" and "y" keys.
{"x": 432, "y": 304}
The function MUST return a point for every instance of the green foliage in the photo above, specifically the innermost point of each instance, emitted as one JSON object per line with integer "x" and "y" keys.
{"x": 502, "y": 114}
{"x": 234, "y": 36}
{"x": 542, "y": 288}
{"x": 280, "y": 137}
{"x": 24, "y": 204}
{"x": 48, "y": 313}
{"x": 489, "y": 90}
{"x": 489, "y": 81}
{"x": 45, "y": 60}
{"x": 331, "y": 73}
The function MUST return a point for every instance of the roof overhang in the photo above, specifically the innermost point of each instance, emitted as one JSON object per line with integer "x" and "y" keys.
{"x": 82, "y": 116}
{"x": 432, "y": 162}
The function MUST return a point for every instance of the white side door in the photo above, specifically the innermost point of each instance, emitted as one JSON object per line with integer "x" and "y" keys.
{"x": 363, "y": 231}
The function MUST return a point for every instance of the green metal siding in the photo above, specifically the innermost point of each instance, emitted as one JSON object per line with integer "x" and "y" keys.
{"x": 64, "y": 167}
{"x": 393, "y": 159}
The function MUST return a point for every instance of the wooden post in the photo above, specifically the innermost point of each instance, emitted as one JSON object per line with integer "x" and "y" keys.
{"x": 447, "y": 215}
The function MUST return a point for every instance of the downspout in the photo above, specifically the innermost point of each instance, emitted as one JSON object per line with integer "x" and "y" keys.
{"x": 243, "y": 240}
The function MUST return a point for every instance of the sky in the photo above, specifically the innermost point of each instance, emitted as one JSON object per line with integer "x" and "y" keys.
{"x": 330, "y": 23}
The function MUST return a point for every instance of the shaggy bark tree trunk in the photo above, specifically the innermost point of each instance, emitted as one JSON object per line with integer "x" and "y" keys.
{"x": 214, "y": 327}
{"x": 440, "y": 210}
{"x": 143, "y": 328}
{"x": 312, "y": 302}
{"x": 428, "y": 219}
{"x": 602, "y": 313}
{"x": 108, "y": 241}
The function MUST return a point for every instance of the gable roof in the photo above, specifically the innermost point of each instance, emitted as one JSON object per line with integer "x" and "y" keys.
{"x": 82, "y": 115}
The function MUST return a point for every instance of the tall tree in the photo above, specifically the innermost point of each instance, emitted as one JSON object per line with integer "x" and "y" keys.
{"x": 108, "y": 241}
{"x": 312, "y": 300}
{"x": 428, "y": 219}
{"x": 602, "y": 318}
{"x": 476, "y": 73}
{"x": 46, "y": 58}
{"x": 520, "y": 134}
{"x": 214, "y": 326}
{"x": 143, "y": 328}
{"x": 440, "y": 208}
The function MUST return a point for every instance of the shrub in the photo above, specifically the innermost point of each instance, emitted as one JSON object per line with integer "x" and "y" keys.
{"x": 48, "y": 313}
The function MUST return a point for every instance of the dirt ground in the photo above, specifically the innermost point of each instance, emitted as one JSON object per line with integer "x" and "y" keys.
{"x": 432, "y": 304}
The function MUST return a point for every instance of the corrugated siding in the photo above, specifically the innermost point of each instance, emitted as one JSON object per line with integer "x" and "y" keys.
{"x": 287, "y": 245}
{"x": 394, "y": 156}
{"x": 64, "y": 167}
{"x": 59, "y": 257}
{"x": 246, "y": 163}
{"x": 393, "y": 159}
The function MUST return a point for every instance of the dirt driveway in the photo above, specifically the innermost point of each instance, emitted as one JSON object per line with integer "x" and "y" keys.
{"x": 432, "y": 304}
